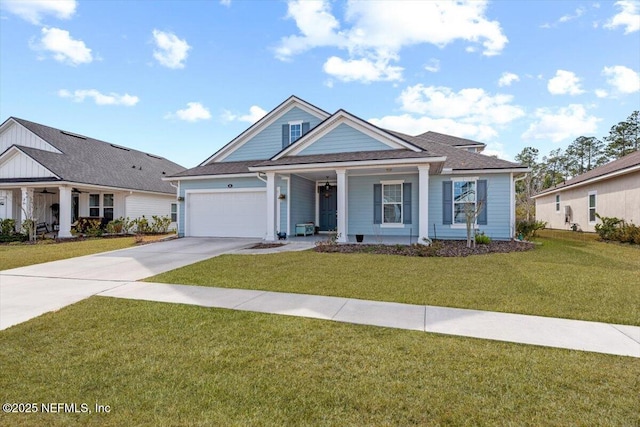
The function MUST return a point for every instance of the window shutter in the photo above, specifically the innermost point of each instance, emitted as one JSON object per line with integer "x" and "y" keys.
{"x": 406, "y": 203}
{"x": 305, "y": 128}
{"x": 285, "y": 136}
{"x": 482, "y": 198}
{"x": 447, "y": 202}
{"x": 377, "y": 203}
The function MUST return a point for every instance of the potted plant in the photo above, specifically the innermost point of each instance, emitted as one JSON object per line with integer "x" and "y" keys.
{"x": 359, "y": 238}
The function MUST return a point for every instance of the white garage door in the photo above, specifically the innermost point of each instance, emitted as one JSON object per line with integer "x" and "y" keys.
{"x": 227, "y": 214}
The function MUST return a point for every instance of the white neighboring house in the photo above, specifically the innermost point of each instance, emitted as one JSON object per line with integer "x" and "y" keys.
{"x": 63, "y": 176}
{"x": 611, "y": 190}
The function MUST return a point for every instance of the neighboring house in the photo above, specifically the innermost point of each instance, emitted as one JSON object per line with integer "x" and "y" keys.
{"x": 63, "y": 176}
{"x": 611, "y": 190}
{"x": 300, "y": 167}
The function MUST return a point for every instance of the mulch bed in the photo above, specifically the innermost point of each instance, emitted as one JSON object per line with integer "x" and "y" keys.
{"x": 266, "y": 245}
{"x": 440, "y": 248}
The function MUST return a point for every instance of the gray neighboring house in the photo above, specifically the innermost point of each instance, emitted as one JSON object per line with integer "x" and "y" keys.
{"x": 63, "y": 176}
{"x": 611, "y": 190}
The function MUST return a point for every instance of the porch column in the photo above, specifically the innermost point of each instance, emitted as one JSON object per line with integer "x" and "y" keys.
{"x": 26, "y": 210}
{"x": 64, "y": 219}
{"x": 271, "y": 207}
{"x": 423, "y": 206}
{"x": 342, "y": 205}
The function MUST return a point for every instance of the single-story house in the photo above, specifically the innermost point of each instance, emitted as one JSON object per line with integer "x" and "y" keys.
{"x": 611, "y": 190}
{"x": 300, "y": 169}
{"x": 60, "y": 176}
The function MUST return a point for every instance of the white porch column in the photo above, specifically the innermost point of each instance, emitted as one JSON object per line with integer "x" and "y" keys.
{"x": 271, "y": 207}
{"x": 423, "y": 206}
{"x": 27, "y": 205}
{"x": 342, "y": 205}
{"x": 64, "y": 220}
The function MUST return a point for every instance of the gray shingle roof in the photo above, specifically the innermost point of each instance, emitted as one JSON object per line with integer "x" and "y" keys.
{"x": 346, "y": 157}
{"x": 448, "y": 139}
{"x": 91, "y": 161}
{"x": 626, "y": 162}
{"x": 219, "y": 168}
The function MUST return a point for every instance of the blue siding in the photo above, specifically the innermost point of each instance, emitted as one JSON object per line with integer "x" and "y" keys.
{"x": 360, "y": 207}
{"x": 269, "y": 142}
{"x": 303, "y": 201}
{"x": 344, "y": 139}
{"x": 209, "y": 184}
{"x": 498, "y": 208}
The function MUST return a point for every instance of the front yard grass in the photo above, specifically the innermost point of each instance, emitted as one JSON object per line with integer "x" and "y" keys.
{"x": 169, "y": 364}
{"x": 569, "y": 275}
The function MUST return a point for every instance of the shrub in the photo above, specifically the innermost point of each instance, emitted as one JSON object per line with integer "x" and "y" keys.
{"x": 482, "y": 239}
{"x": 115, "y": 226}
{"x": 89, "y": 226}
{"x": 528, "y": 229}
{"x": 142, "y": 225}
{"x": 617, "y": 229}
{"x": 160, "y": 224}
{"x": 7, "y": 226}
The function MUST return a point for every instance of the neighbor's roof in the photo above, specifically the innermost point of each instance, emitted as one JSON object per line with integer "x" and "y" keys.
{"x": 90, "y": 161}
{"x": 449, "y": 139}
{"x": 615, "y": 167}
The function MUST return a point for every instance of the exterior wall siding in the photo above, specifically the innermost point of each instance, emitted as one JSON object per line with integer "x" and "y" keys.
{"x": 616, "y": 197}
{"x": 269, "y": 142}
{"x": 303, "y": 201}
{"x": 210, "y": 184}
{"x": 16, "y": 134}
{"x": 22, "y": 166}
{"x": 498, "y": 208}
{"x": 138, "y": 204}
{"x": 360, "y": 207}
{"x": 344, "y": 139}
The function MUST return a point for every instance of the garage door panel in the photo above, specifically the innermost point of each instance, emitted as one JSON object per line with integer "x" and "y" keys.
{"x": 227, "y": 214}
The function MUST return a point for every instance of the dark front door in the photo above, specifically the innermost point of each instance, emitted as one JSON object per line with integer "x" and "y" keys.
{"x": 328, "y": 207}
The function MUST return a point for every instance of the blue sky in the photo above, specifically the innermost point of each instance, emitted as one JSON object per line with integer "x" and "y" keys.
{"x": 182, "y": 78}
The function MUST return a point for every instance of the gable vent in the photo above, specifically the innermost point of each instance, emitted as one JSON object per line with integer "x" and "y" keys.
{"x": 119, "y": 147}
{"x": 75, "y": 135}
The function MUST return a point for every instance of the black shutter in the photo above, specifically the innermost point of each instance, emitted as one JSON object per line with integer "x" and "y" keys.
{"x": 447, "y": 202}
{"x": 406, "y": 203}
{"x": 285, "y": 136}
{"x": 482, "y": 198}
{"x": 377, "y": 203}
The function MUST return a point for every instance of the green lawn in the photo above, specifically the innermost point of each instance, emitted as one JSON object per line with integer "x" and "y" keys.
{"x": 166, "y": 364}
{"x": 569, "y": 275}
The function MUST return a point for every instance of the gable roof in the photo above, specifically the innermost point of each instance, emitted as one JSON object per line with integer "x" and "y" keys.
{"x": 454, "y": 141}
{"x": 626, "y": 164}
{"x": 286, "y": 105}
{"x": 90, "y": 161}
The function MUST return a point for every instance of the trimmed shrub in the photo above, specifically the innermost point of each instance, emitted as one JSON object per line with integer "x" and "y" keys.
{"x": 528, "y": 229}
{"x": 482, "y": 239}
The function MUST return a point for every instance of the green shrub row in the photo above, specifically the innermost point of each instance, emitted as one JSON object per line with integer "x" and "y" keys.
{"x": 616, "y": 229}
{"x": 527, "y": 229}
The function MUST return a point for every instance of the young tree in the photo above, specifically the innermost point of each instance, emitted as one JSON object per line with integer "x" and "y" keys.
{"x": 530, "y": 185}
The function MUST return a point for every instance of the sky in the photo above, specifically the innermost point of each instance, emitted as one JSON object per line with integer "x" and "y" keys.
{"x": 182, "y": 78}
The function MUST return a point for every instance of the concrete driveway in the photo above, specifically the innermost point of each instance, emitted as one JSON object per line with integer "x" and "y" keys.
{"x": 27, "y": 292}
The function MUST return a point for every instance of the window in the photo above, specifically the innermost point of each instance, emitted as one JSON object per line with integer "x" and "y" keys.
{"x": 94, "y": 205}
{"x": 107, "y": 203}
{"x": 295, "y": 132}
{"x": 557, "y": 203}
{"x": 174, "y": 212}
{"x": 592, "y": 206}
{"x": 464, "y": 200}
{"x": 392, "y": 203}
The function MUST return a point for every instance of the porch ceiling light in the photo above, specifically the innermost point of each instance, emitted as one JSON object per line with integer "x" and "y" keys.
{"x": 327, "y": 186}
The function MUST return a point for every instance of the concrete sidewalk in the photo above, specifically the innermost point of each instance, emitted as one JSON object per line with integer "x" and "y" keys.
{"x": 622, "y": 340}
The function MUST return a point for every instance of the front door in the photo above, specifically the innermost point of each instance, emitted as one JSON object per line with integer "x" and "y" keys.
{"x": 328, "y": 208}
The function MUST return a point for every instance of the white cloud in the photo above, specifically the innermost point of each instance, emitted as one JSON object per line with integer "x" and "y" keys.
{"x": 195, "y": 111}
{"x": 565, "y": 18}
{"x": 225, "y": 2}
{"x": 623, "y": 79}
{"x": 561, "y": 124}
{"x": 171, "y": 51}
{"x": 564, "y": 82}
{"x": 374, "y": 32}
{"x": 64, "y": 48}
{"x": 255, "y": 114}
{"x": 601, "y": 93}
{"x": 100, "y": 98}
{"x": 628, "y": 17}
{"x": 506, "y": 79}
{"x": 433, "y": 65}
{"x": 363, "y": 70}
{"x": 35, "y": 10}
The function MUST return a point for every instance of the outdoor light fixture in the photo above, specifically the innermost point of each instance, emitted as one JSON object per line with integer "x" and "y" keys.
{"x": 327, "y": 186}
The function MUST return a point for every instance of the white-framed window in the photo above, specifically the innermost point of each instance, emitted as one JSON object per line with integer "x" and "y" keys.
{"x": 295, "y": 131}
{"x": 392, "y": 203}
{"x": 94, "y": 205}
{"x": 104, "y": 209}
{"x": 464, "y": 199}
{"x": 592, "y": 207}
{"x": 174, "y": 212}
{"x": 557, "y": 203}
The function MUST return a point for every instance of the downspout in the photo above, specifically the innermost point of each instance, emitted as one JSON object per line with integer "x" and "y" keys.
{"x": 261, "y": 178}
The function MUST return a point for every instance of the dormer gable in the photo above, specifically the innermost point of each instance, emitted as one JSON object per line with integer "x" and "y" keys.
{"x": 265, "y": 138}
{"x": 12, "y": 132}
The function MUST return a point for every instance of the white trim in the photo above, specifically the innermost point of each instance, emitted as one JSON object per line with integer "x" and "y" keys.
{"x": 455, "y": 224}
{"x": 423, "y": 203}
{"x": 399, "y": 224}
{"x": 11, "y": 121}
{"x": 14, "y": 151}
{"x": 278, "y": 203}
{"x": 227, "y": 175}
{"x": 595, "y": 207}
{"x": 589, "y": 181}
{"x": 468, "y": 178}
{"x": 448, "y": 171}
{"x": 358, "y": 164}
{"x": 263, "y": 123}
{"x": 392, "y": 225}
{"x": 341, "y": 194}
{"x": 557, "y": 203}
{"x": 397, "y": 181}
{"x": 225, "y": 190}
{"x": 343, "y": 117}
